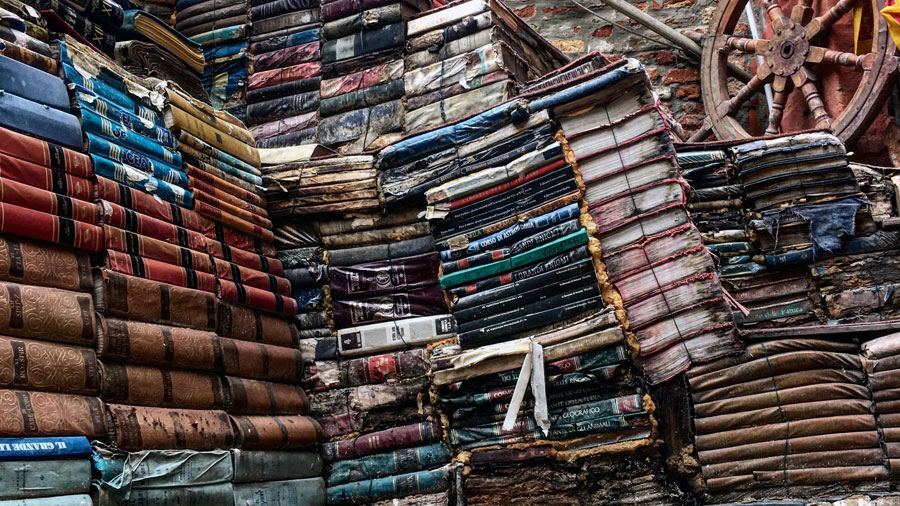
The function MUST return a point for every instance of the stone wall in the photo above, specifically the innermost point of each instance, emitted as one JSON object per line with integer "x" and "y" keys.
{"x": 576, "y": 31}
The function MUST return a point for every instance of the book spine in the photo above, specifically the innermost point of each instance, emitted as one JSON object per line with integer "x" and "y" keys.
{"x": 256, "y": 298}
{"x": 386, "y": 440}
{"x": 426, "y": 301}
{"x": 144, "y": 203}
{"x": 219, "y": 493}
{"x": 39, "y": 448}
{"x": 150, "y": 428}
{"x": 163, "y": 272}
{"x": 150, "y": 301}
{"x": 146, "y": 247}
{"x": 243, "y": 323}
{"x": 253, "y": 397}
{"x": 395, "y": 334}
{"x": 281, "y": 493}
{"x": 214, "y": 136}
{"x": 29, "y": 414}
{"x": 276, "y": 432}
{"x": 141, "y": 181}
{"x": 153, "y": 386}
{"x": 252, "y": 277}
{"x": 419, "y": 482}
{"x": 38, "y": 365}
{"x": 35, "y": 263}
{"x": 47, "y": 314}
{"x": 240, "y": 240}
{"x": 383, "y": 277}
{"x": 259, "y": 465}
{"x": 117, "y": 216}
{"x": 146, "y": 343}
{"x": 45, "y": 154}
{"x": 63, "y": 477}
{"x": 388, "y": 464}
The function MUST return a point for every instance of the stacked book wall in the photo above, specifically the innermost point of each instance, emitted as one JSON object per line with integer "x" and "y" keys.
{"x": 541, "y": 372}
{"x": 366, "y": 283}
{"x": 50, "y": 382}
{"x": 185, "y": 343}
{"x": 283, "y": 90}
{"x": 361, "y": 89}
{"x": 802, "y": 236}
{"x": 467, "y": 56}
{"x": 222, "y": 29}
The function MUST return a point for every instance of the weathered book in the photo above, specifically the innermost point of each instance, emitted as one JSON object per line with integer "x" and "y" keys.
{"x": 284, "y": 24}
{"x": 35, "y": 365}
{"x": 388, "y": 464}
{"x": 281, "y": 493}
{"x": 401, "y": 485}
{"x": 276, "y": 432}
{"x": 31, "y": 84}
{"x": 256, "y": 298}
{"x": 147, "y": 268}
{"x": 243, "y": 323}
{"x": 368, "y": 397}
{"x": 233, "y": 221}
{"x": 45, "y": 154}
{"x": 281, "y": 107}
{"x": 261, "y": 361}
{"x": 253, "y": 397}
{"x": 143, "y": 385}
{"x": 40, "y": 448}
{"x": 240, "y": 240}
{"x": 251, "y": 277}
{"x": 273, "y": 77}
{"x": 653, "y": 249}
{"x": 47, "y": 313}
{"x": 394, "y": 335}
{"x": 45, "y": 178}
{"x": 124, "y": 296}
{"x": 146, "y": 428}
{"x": 273, "y": 465}
{"x": 366, "y": 370}
{"x": 396, "y": 275}
{"x": 354, "y": 256}
{"x": 237, "y": 192}
{"x": 372, "y": 95}
{"x": 34, "y": 263}
{"x": 43, "y": 478}
{"x": 386, "y": 440}
{"x": 219, "y": 493}
{"x": 178, "y": 119}
{"x": 29, "y": 414}
{"x": 145, "y": 343}
{"x": 215, "y": 161}
{"x": 639, "y": 227}
{"x": 138, "y": 244}
{"x": 663, "y": 273}
{"x": 145, "y": 203}
{"x": 424, "y": 301}
{"x": 244, "y": 258}
{"x": 121, "y": 472}
{"x": 130, "y": 176}
{"x": 148, "y": 227}
{"x": 337, "y": 426}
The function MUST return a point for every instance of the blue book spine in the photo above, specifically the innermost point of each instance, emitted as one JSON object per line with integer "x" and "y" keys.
{"x": 117, "y": 133}
{"x": 134, "y": 178}
{"x": 99, "y": 146}
{"x": 33, "y": 448}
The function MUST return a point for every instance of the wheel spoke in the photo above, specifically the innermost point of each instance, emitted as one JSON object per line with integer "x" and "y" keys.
{"x": 782, "y": 88}
{"x": 756, "y": 84}
{"x": 824, "y": 55}
{"x": 746, "y": 45}
{"x": 825, "y": 21}
{"x": 776, "y": 15}
{"x": 802, "y": 13}
{"x": 805, "y": 81}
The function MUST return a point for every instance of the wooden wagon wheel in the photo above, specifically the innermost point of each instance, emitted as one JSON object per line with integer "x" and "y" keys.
{"x": 792, "y": 58}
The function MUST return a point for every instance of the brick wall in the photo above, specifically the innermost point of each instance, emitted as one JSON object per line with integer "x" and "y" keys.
{"x": 575, "y": 31}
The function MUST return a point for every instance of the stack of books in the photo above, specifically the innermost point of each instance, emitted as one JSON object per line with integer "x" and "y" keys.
{"x": 283, "y": 96}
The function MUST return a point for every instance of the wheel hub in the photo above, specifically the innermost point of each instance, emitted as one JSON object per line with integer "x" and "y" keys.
{"x": 788, "y": 49}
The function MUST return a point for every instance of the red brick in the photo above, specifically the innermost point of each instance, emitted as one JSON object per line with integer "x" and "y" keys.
{"x": 654, "y": 75}
{"x": 658, "y": 57}
{"x": 655, "y": 5}
{"x": 689, "y": 91}
{"x": 576, "y": 29}
{"x": 691, "y": 122}
{"x": 527, "y": 12}
{"x": 603, "y": 31}
{"x": 557, "y": 10}
{"x": 688, "y": 75}
{"x": 694, "y": 108}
